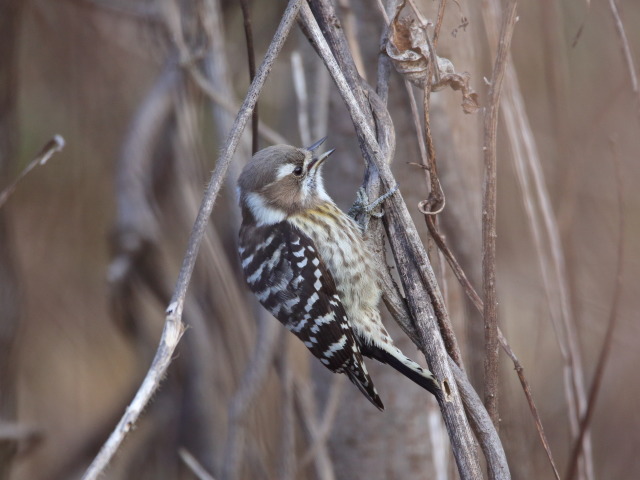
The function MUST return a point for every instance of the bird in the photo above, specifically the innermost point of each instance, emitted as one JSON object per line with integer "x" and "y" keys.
{"x": 309, "y": 265}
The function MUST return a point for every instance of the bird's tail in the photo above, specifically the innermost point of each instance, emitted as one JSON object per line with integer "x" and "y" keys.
{"x": 357, "y": 373}
{"x": 410, "y": 369}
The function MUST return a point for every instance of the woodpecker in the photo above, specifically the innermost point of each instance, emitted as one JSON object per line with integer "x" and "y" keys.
{"x": 308, "y": 264}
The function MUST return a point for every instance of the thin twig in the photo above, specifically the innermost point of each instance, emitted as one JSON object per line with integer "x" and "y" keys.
{"x": 626, "y": 53}
{"x": 54, "y": 145}
{"x": 251, "y": 56}
{"x": 173, "y": 327}
{"x": 598, "y": 374}
{"x": 196, "y": 468}
{"x": 489, "y": 216}
{"x": 436, "y": 29}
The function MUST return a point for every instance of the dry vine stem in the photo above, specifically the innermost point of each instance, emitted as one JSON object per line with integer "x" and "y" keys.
{"x": 411, "y": 258}
{"x": 489, "y": 216}
{"x": 173, "y": 327}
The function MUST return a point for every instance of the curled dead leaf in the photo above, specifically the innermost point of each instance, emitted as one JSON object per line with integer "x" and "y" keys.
{"x": 409, "y": 49}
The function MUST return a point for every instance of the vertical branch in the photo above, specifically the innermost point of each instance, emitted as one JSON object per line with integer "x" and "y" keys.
{"x": 10, "y": 23}
{"x": 489, "y": 216}
{"x": 173, "y": 327}
{"x": 248, "y": 34}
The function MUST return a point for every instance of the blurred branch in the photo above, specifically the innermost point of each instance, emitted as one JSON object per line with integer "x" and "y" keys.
{"x": 251, "y": 57}
{"x": 306, "y": 409}
{"x": 196, "y": 468}
{"x": 23, "y": 437}
{"x": 302, "y": 97}
{"x": 264, "y": 130}
{"x": 626, "y": 53}
{"x": 250, "y": 386}
{"x": 489, "y": 216}
{"x": 598, "y": 375}
{"x": 56, "y": 144}
{"x": 411, "y": 258}
{"x": 173, "y": 327}
{"x": 189, "y": 61}
{"x": 287, "y": 444}
{"x": 321, "y": 434}
{"x": 350, "y": 32}
{"x": 144, "y": 11}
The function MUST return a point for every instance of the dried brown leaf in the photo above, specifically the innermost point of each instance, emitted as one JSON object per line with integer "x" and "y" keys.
{"x": 409, "y": 49}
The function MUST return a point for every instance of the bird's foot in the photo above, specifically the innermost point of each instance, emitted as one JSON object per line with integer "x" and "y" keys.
{"x": 362, "y": 210}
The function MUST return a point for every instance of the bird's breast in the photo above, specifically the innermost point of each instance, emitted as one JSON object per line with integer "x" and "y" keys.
{"x": 345, "y": 253}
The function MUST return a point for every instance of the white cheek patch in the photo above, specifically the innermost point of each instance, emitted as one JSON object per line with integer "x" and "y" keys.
{"x": 284, "y": 170}
{"x": 264, "y": 214}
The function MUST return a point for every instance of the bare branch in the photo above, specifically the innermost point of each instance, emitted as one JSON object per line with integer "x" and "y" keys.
{"x": 173, "y": 327}
{"x": 489, "y": 216}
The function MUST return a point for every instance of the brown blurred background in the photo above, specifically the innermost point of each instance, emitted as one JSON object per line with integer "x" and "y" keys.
{"x": 91, "y": 243}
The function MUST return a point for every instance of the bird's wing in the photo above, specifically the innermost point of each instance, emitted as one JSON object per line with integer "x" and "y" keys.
{"x": 283, "y": 268}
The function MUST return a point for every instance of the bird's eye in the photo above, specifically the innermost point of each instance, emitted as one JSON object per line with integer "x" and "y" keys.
{"x": 297, "y": 171}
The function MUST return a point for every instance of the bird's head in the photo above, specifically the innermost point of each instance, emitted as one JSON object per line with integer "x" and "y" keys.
{"x": 282, "y": 180}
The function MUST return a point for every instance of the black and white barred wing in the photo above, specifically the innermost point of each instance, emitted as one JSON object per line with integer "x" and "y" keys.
{"x": 282, "y": 267}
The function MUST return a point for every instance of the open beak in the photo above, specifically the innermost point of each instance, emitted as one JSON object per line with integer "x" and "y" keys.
{"x": 315, "y": 146}
{"x": 315, "y": 163}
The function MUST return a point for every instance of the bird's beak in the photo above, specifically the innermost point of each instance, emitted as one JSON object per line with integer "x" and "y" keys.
{"x": 315, "y": 146}
{"x": 315, "y": 163}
